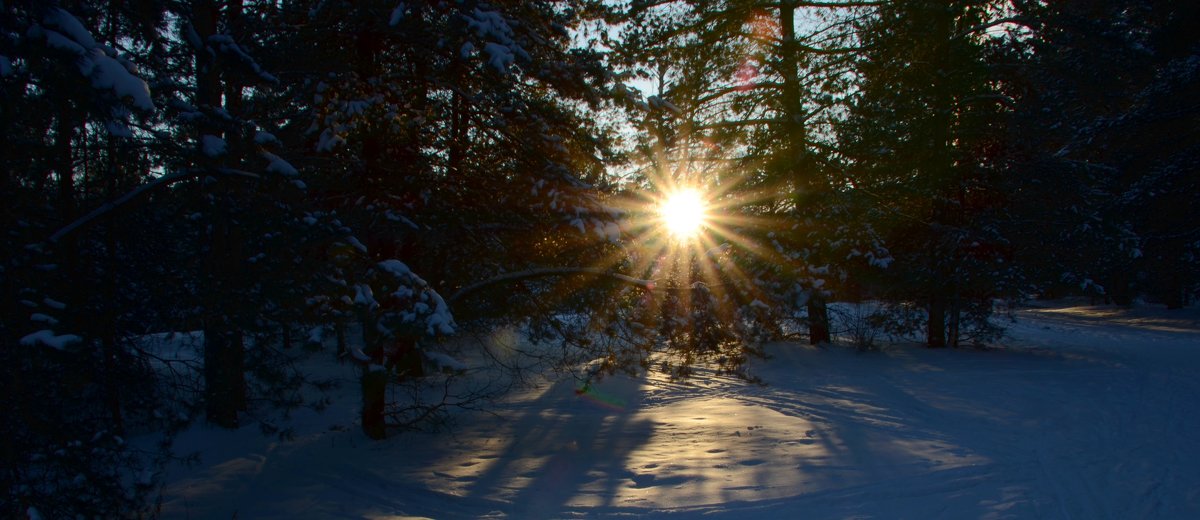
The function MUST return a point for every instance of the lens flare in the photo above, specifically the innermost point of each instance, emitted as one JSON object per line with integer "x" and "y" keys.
{"x": 683, "y": 213}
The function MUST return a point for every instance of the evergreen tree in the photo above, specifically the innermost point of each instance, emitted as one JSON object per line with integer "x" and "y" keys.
{"x": 923, "y": 140}
{"x": 71, "y": 95}
{"x": 451, "y": 138}
{"x": 1102, "y": 90}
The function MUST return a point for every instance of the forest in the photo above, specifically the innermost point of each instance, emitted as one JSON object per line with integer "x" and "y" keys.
{"x": 629, "y": 186}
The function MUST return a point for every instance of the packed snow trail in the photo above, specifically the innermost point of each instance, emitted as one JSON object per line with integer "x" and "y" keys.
{"x": 1086, "y": 413}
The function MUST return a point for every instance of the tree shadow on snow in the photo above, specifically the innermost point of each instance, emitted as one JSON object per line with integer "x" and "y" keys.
{"x": 569, "y": 447}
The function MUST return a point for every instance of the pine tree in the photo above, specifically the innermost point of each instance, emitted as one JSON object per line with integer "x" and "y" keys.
{"x": 451, "y": 138}
{"x": 923, "y": 140}
{"x": 1104, "y": 82}
{"x": 71, "y": 96}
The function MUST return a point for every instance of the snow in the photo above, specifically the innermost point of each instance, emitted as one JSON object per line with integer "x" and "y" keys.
{"x": 397, "y": 15}
{"x": 59, "y": 41}
{"x": 396, "y": 268}
{"x": 70, "y": 25}
{"x": 1084, "y": 412}
{"x": 276, "y": 164}
{"x": 364, "y": 296}
{"x": 226, "y": 44}
{"x": 359, "y": 355}
{"x": 50, "y": 339}
{"x": 43, "y": 318}
{"x": 109, "y": 73}
{"x": 444, "y": 360}
{"x": 502, "y": 50}
{"x": 95, "y": 62}
{"x": 328, "y": 140}
{"x": 658, "y": 103}
{"x": 265, "y": 138}
{"x": 354, "y": 242}
{"x": 118, "y": 129}
{"x": 212, "y": 145}
{"x": 429, "y": 306}
{"x": 500, "y": 57}
{"x": 174, "y": 354}
{"x": 316, "y": 335}
{"x": 440, "y": 321}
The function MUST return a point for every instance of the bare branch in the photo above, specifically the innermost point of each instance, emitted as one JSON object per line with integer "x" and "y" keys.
{"x": 108, "y": 207}
{"x": 165, "y": 180}
{"x": 547, "y": 272}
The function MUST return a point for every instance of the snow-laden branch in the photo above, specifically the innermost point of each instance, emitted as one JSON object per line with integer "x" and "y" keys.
{"x": 546, "y": 272}
{"x": 1012, "y": 20}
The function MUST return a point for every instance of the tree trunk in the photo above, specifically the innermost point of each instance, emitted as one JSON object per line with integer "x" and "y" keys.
{"x": 1175, "y": 299}
{"x": 112, "y": 388}
{"x": 374, "y": 392}
{"x": 224, "y": 373}
{"x": 936, "y": 325}
{"x": 805, "y": 181}
{"x": 374, "y": 380}
{"x": 954, "y": 317}
{"x": 224, "y": 352}
{"x": 64, "y": 161}
{"x": 233, "y": 84}
{"x": 818, "y": 320}
{"x": 110, "y": 347}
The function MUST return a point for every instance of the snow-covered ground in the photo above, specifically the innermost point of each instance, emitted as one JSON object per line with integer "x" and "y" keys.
{"x": 1086, "y": 413}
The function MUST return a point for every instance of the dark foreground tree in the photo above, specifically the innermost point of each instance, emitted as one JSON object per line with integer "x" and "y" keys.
{"x": 1104, "y": 147}
{"x": 923, "y": 139}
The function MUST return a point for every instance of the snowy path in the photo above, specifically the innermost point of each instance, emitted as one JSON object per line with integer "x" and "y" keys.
{"x": 1087, "y": 416}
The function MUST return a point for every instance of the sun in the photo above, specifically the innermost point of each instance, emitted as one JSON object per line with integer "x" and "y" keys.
{"x": 683, "y": 213}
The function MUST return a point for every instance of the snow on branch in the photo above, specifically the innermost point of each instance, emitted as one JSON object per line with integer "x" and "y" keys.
{"x": 497, "y": 35}
{"x": 225, "y": 44}
{"x": 1011, "y": 20}
{"x": 99, "y": 63}
{"x": 50, "y": 339}
{"x": 408, "y": 300}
